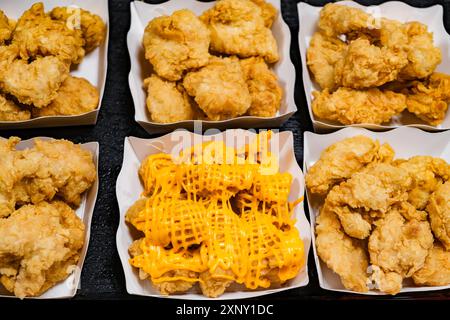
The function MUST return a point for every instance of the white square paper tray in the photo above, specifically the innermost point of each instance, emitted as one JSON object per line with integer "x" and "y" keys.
{"x": 432, "y": 17}
{"x": 423, "y": 143}
{"x": 68, "y": 288}
{"x": 129, "y": 188}
{"x": 93, "y": 67}
{"x": 142, "y": 13}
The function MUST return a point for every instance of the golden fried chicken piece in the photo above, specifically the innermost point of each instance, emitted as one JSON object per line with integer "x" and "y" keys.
{"x": 350, "y": 106}
{"x": 214, "y": 285}
{"x": 6, "y": 28}
{"x": 436, "y": 271}
{"x": 56, "y": 167}
{"x": 268, "y": 12}
{"x": 75, "y": 96}
{"x": 37, "y": 34}
{"x": 263, "y": 86}
{"x": 428, "y": 173}
{"x": 177, "y": 43}
{"x": 167, "y": 102}
{"x": 219, "y": 89}
{"x": 34, "y": 83}
{"x": 92, "y": 26}
{"x": 322, "y": 56}
{"x": 8, "y": 175}
{"x": 344, "y": 255}
{"x": 238, "y": 28}
{"x": 423, "y": 56}
{"x": 365, "y": 65}
{"x": 429, "y": 99}
{"x": 338, "y": 19}
{"x": 439, "y": 211}
{"x": 340, "y": 160}
{"x": 367, "y": 195}
{"x": 9, "y": 111}
{"x": 39, "y": 246}
{"x": 398, "y": 246}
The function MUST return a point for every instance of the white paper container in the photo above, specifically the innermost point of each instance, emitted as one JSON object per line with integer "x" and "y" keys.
{"x": 142, "y": 13}
{"x": 128, "y": 189}
{"x": 432, "y": 17}
{"x": 93, "y": 67}
{"x": 68, "y": 288}
{"x": 424, "y": 143}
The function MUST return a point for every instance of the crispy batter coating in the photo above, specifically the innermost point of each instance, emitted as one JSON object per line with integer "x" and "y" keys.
{"x": 268, "y": 12}
{"x": 429, "y": 99}
{"x": 238, "y": 28}
{"x": 213, "y": 285}
{"x": 344, "y": 255}
{"x": 340, "y": 160}
{"x": 177, "y": 43}
{"x": 39, "y": 247}
{"x": 263, "y": 86}
{"x": 167, "y": 102}
{"x": 428, "y": 173}
{"x": 398, "y": 246}
{"x": 6, "y": 28}
{"x": 322, "y": 56}
{"x": 7, "y": 175}
{"x": 9, "y": 111}
{"x": 37, "y": 34}
{"x": 365, "y": 65}
{"x": 439, "y": 211}
{"x": 92, "y": 26}
{"x": 436, "y": 271}
{"x": 75, "y": 96}
{"x": 369, "y": 193}
{"x": 350, "y": 106}
{"x": 33, "y": 83}
{"x": 219, "y": 89}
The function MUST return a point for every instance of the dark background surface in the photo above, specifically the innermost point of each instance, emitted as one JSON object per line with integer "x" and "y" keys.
{"x": 102, "y": 276}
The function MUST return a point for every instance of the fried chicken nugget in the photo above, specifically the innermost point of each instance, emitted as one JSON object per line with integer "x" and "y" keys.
{"x": 429, "y": 99}
{"x": 344, "y": 255}
{"x": 263, "y": 86}
{"x": 177, "y": 43}
{"x": 436, "y": 270}
{"x": 238, "y": 28}
{"x": 350, "y": 106}
{"x": 92, "y": 26}
{"x": 6, "y": 28}
{"x": 39, "y": 247}
{"x": 368, "y": 194}
{"x": 8, "y": 175}
{"x": 439, "y": 211}
{"x": 219, "y": 89}
{"x": 167, "y": 102}
{"x": 9, "y": 111}
{"x": 322, "y": 56}
{"x": 268, "y": 12}
{"x": 75, "y": 96}
{"x": 398, "y": 248}
{"x": 340, "y": 160}
{"x": 37, "y": 34}
{"x": 365, "y": 65}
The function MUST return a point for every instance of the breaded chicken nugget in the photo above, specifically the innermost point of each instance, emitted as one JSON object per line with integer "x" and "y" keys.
{"x": 238, "y": 28}
{"x": 263, "y": 86}
{"x": 436, "y": 270}
{"x": 219, "y": 89}
{"x": 439, "y": 211}
{"x": 6, "y": 28}
{"x": 75, "y": 96}
{"x": 177, "y": 43}
{"x": 268, "y": 12}
{"x": 9, "y": 111}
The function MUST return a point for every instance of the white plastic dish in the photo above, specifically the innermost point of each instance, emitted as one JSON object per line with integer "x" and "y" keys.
{"x": 129, "y": 188}
{"x": 68, "y": 288}
{"x": 432, "y": 17}
{"x": 425, "y": 143}
{"x": 93, "y": 67}
{"x": 142, "y": 13}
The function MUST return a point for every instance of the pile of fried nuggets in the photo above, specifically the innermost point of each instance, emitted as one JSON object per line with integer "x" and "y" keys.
{"x": 372, "y": 69}
{"x": 41, "y": 237}
{"x": 382, "y": 220}
{"x": 36, "y": 54}
{"x": 213, "y": 67}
